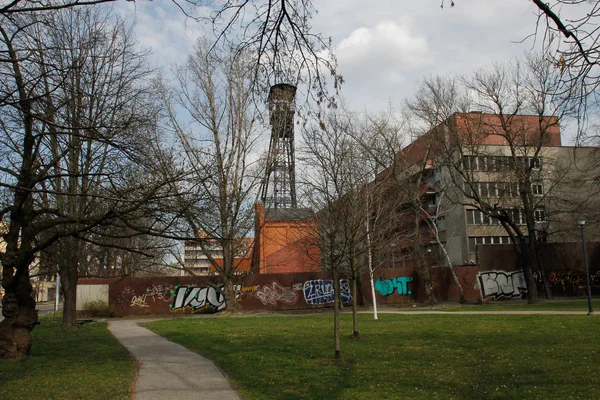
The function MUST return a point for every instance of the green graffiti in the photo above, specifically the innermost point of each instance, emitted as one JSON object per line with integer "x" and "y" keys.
{"x": 387, "y": 286}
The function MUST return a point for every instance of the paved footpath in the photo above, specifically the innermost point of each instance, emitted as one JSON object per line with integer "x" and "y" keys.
{"x": 168, "y": 370}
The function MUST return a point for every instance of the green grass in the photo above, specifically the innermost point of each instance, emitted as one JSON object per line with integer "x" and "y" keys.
{"x": 87, "y": 363}
{"x": 401, "y": 356}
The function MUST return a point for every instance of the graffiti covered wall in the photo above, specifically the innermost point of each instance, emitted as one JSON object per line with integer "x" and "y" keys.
{"x": 498, "y": 279}
{"x": 561, "y": 262}
{"x": 161, "y": 295}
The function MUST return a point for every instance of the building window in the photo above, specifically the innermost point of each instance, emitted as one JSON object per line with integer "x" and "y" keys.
{"x": 481, "y": 163}
{"x": 467, "y": 163}
{"x": 516, "y": 215}
{"x": 470, "y": 217}
{"x": 483, "y": 190}
{"x": 539, "y": 215}
{"x": 441, "y": 224}
{"x": 535, "y": 163}
{"x": 537, "y": 189}
{"x": 476, "y": 217}
{"x": 476, "y": 240}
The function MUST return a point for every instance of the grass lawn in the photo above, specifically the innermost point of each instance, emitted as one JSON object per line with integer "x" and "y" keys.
{"x": 87, "y": 363}
{"x": 401, "y": 356}
{"x": 568, "y": 304}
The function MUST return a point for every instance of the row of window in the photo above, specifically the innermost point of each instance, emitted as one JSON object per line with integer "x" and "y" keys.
{"x": 476, "y": 217}
{"x": 500, "y": 163}
{"x": 199, "y": 254}
{"x": 475, "y": 240}
{"x": 541, "y": 237}
{"x": 500, "y": 189}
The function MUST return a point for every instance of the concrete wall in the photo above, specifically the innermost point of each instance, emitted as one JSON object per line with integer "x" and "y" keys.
{"x": 92, "y": 292}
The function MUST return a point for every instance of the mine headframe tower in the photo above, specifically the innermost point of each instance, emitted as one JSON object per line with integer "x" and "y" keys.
{"x": 279, "y": 188}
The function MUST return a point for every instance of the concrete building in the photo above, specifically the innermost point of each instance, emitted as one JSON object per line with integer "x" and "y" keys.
{"x": 196, "y": 259}
{"x": 474, "y": 165}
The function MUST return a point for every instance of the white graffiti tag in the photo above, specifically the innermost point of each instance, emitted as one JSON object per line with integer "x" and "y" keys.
{"x": 501, "y": 284}
{"x": 271, "y": 295}
{"x": 159, "y": 292}
{"x": 197, "y": 299}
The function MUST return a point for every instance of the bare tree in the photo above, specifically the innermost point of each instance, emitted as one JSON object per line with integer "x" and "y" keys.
{"x": 73, "y": 113}
{"x": 328, "y": 150}
{"x": 286, "y": 49}
{"x": 216, "y": 200}
{"x": 506, "y": 183}
{"x": 342, "y": 153}
{"x": 567, "y": 34}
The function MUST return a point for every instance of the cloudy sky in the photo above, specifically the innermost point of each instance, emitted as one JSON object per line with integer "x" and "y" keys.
{"x": 384, "y": 47}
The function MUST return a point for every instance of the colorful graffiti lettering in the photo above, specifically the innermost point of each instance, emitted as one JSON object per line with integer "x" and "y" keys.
{"x": 274, "y": 293}
{"x": 385, "y": 287}
{"x": 501, "y": 284}
{"x": 320, "y": 291}
{"x": 197, "y": 299}
{"x": 139, "y": 301}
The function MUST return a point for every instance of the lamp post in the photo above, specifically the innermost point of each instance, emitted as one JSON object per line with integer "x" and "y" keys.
{"x": 581, "y": 223}
{"x": 430, "y": 276}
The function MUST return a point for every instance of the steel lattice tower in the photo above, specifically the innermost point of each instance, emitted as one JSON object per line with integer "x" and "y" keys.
{"x": 279, "y": 190}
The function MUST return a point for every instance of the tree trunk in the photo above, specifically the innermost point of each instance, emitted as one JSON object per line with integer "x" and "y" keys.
{"x": 540, "y": 268}
{"x": 68, "y": 279}
{"x": 336, "y": 315}
{"x": 532, "y": 295}
{"x": 18, "y": 309}
{"x": 428, "y": 280}
{"x": 354, "y": 309}
{"x": 230, "y": 294}
{"x": 359, "y": 283}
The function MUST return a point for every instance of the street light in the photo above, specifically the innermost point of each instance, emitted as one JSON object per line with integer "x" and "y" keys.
{"x": 581, "y": 223}
{"x": 430, "y": 276}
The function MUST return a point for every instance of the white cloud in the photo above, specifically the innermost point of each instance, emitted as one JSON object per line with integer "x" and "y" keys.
{"x": 384, "y": 52}
{"x": 162, "y": 29}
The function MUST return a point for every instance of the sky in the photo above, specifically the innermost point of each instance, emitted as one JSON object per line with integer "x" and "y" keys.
{"x": 384, "y": 47}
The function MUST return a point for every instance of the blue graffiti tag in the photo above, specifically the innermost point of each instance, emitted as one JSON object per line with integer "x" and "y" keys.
{"x": 320, "y": 291}
{"x": 387, "y": 286}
